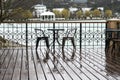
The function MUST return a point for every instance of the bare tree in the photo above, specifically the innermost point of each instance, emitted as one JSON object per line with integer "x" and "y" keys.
{"x": 4, "y": 9}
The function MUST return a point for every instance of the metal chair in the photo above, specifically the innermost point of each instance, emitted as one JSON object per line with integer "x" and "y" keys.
{"x": 41, "y": 36}
{"x": 69, "y": 35}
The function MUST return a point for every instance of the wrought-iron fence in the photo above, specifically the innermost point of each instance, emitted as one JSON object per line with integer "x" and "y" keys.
{"x": 89, "y": 34}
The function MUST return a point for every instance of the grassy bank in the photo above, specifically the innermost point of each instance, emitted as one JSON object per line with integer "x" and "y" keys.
{"x": 7, "y": 43}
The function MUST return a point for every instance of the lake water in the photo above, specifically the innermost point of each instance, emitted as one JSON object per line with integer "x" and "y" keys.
{"x": 93, "y": 32}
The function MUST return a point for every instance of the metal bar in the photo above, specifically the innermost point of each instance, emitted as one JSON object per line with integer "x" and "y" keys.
{"x": 54, "y": 35}
{"x": 27, "y": 59}
{"x": 1, "y": 10}
{"x": 80, "y": 44}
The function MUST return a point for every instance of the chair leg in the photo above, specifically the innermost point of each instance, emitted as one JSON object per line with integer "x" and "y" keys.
{"x": 48, "y": 50}
{"x": 37, "y": 42}
{"x": 74, "y": 48}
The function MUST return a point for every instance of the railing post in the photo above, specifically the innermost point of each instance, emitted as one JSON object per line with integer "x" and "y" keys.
{"x": 80, "y": 44}
{"x": 1, "y": 10}
{"x": 106, "y": 39}
{"x": 27, "y": 59}
{"x": 54, "y": 43}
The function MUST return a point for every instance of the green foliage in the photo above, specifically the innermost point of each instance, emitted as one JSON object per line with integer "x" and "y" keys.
{"x": 108, "y": 13}
{"x": 79, "y": 14}
{"x": 65, "y": 13}
{"x": 2, "y": 40}
{"x": 20, "y": 13}
{"x": 4, "y": 7}
{"x": 27, "y": 14}
{"x": 57, "y": 13}
{"x": 96, "y": 13}
{"x": 87, "y": 13}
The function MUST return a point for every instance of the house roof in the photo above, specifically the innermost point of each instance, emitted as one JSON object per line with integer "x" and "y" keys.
{"x": 39, "y": 5}
{"x": 47, "y": 13}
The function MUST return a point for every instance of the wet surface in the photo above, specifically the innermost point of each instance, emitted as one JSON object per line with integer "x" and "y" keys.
{"x": 15, "y": 65}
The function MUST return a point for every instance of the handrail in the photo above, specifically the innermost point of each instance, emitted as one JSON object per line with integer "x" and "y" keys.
{"x": 112, "y": 30}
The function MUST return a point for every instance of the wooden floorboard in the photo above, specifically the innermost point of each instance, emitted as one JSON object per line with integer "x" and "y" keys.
{"x": 15, "y": 65}
{"x": 23, "y": 67}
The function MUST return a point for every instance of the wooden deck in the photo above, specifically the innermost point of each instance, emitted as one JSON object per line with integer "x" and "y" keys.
{"x": 15, "y": 66}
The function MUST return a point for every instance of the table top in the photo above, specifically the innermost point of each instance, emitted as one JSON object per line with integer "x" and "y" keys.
{"x": 56, "y": 29}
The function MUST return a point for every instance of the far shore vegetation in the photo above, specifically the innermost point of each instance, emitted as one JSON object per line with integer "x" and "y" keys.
{"x": 23, "y": 14}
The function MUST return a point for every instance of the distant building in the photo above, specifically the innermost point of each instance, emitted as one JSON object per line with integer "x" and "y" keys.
{"x": 101, "y": 8}
{"x": 47, "y": 16}
{"x": 86, "y": 9}
{"x": 40, "y": 13}
{"x": 59, "y": 9}
{"x": 72, "y": 9}
{"x": 38, "y": 9}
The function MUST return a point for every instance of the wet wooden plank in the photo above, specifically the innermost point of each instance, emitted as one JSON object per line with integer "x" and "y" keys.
{"x": 93, "y": 66}
{"x": 84, "y": 68}
{"x": 50, "y": 68}
{"x": 3, "y": 56}
{"x": 10, "y": 67}
{"x": 6, "y": 65}
{"x": 23, "y": 67}
{"x": 112, "y": 67}
{"x": 2, "y": 52}
{"x": 48, "y": 71}
{"x": 17, "y": 65}
{"x": 70, "y": 68}
{"x": 98, "y": 63}
{"x": 3, "y": 63}
{"x": 32, "y": 73}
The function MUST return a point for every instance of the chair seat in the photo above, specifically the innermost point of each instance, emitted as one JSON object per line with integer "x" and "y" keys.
{"x": 42, "y": 37}
{"x": 68, "y": 37}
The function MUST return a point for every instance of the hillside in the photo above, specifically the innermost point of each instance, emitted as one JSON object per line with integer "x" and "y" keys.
{"x": 109, "y": 4}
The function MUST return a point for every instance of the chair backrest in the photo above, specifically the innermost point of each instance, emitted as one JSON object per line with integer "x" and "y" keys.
{"x": 39, "y": 33}
{"x": 71, "y": 32}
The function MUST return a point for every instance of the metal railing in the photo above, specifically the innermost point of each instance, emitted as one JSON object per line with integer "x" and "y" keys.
{"x": 90, "y": 34}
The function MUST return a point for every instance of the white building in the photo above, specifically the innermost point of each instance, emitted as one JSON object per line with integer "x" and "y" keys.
{"x": 72, "y": 9}
{"x": 101, "y": 8}
{"x": 59, "y": 9}
{"x": 41, "y": 13}
{"x": 47, "y": 16}
{"x": 38, "y": 9}
{"x": 86, "y": 9}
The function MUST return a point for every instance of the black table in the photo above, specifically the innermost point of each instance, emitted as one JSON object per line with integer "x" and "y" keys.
{"x": 55, "y": 37}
